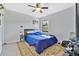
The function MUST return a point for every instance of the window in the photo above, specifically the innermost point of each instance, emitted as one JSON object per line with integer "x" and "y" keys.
{"x": 45, "y": 26}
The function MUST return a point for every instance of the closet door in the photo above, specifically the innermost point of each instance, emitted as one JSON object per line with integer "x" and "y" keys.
{"x": 77, "y": 21}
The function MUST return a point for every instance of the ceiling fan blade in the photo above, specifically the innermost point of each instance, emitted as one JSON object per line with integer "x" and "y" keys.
{"x": 31, "y": 6}
{"x": 44, "y": 7}
{"x": 41, "y": 11}
{"x": 34, "y": 10}
{"x": 38, "y": 5}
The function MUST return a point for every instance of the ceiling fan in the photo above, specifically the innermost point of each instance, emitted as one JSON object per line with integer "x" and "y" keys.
{"x": 38, "y": 7}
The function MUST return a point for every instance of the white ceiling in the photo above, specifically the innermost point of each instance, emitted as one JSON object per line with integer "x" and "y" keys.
{"x": 52, "y": 8}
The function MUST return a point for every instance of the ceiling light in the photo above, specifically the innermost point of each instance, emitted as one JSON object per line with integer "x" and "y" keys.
{"x": 38, "y": 9}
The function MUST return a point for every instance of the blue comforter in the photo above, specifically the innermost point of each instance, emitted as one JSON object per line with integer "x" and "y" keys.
{"x": 40, "y": 40}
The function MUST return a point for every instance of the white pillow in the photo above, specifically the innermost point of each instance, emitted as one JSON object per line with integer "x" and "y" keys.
{"x": 46, "y": 36}
{"x": 31, "y": 32}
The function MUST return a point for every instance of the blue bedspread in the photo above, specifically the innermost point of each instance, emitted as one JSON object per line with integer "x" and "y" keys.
{"x": 40, "y": 41}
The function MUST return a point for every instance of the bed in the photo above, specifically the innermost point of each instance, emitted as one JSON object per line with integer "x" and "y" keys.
{"x": 40, "y": 40}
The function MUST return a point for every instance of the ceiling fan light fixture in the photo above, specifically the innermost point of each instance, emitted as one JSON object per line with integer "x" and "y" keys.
{"x": 38, "y": 9}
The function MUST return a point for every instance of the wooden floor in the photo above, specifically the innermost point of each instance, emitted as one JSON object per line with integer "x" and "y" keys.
{"x": 23, "y": 49}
